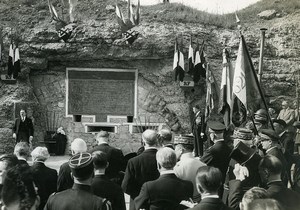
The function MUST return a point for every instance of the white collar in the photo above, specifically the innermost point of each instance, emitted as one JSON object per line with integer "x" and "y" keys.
{"x": 21, "y": 158}
{"x": 146, "y": 148}
{"x": 268, "y": 150}
{"x": 215, "y": 141}
{"x": 167, "y": 172}
{"x": 187, "y": 155}
{"x": 99, "y": 172}
{"x": 209, "y": 196}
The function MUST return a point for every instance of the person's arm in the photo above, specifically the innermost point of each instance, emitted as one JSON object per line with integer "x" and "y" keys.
{"x": 291, "y": 118}
{"x": 14, "y": 129}
{"x": 141, "y": 201}
{"x": 31, "y": 129}
{"x": 128, "y": 181}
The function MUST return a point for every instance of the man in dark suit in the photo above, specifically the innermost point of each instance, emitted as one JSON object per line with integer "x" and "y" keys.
{"x": 218, "y": 154}
{"x": 80, "y": 196}
{"x": 141, "y": 168}
{"x": 168, "y": 190}
{"x": 23, "y": 128}
{"x": 209, "y": 181}
{"x": 270, "y": 169}
{"x": 115, "y": 157}
{"x": 65, "y": 179}
{"x": 44, "y": 178}
{"x": 198, "y": 128}
{"x": 102, "y": 186}
{"x": 22, "y": 151}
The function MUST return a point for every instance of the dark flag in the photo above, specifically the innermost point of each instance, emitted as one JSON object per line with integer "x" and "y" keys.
{"x": 199, "y": 65}
{"x": 191, "y": 58}
{"x": 178, "y": 63}
{"x": 210, "y": 83}
{"x": 247, "y": 95}
{"x": 10, "y": 64}
{"x": 226, "y": 89}
{"x": 17, "y": 67}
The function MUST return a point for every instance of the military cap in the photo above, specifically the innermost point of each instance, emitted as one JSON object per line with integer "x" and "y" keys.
{"x": 81, "y": 165}
{"x": 269, "y": 134}
{"x": 216, "y": 125}
{"x": 261, "y": 115}
{"x": 280, "y": 122}
{"x": 184, "y": 139}
{"x": 296, "y": 124}
{"x": 243, "y": 134}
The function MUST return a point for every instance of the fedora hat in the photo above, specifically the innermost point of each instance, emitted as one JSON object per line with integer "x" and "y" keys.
{"x": 243, "y": 154}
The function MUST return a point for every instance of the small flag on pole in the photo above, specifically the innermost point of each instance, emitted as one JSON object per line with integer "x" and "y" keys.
{"x": 199, "y": 65}
{"x": 209, "y": 93}
{"x": 10, "y": 64}
{"x": 178, "y": 63}
{"x": 191, "y": 58}
{"x": 17, "y": 67}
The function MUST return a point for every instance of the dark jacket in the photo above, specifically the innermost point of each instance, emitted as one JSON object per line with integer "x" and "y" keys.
{"x": 28, "y": 127}
{"x": 140, "y": 169}
{"x": 211, "y": 204}
{"x": 104, "y": 188}
{"x": 218, "y": 157}
{"x": 45, "y": 179}
{"x": 115, "y": 158}
{"x": 165, "y": 193}
{"x": 287, "y": 198}
{"x": 79, "y": 197}
{"x": 65, "y": 180}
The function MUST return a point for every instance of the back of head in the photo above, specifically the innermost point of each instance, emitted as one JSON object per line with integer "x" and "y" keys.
{"x": 253, "y": 194}
{"x": 78, "y": 145}
{"x": 40, "y": 154}
{"x": 264, "y": 204}
{"x": 166, "y": 158}
{"x": 272, "y": 164}
{"x": 165, "y": 136}
{"x": 82, "y": 166}
{"x": 99, "y": 160}
{"x": 18, "y": 188}
{"x": 102, "y": 136}
{"x": 10, "y": 160}
{"x": 22, "y": 149}
{"x": 150, "y": 137}
{"x": 208, "y": 179}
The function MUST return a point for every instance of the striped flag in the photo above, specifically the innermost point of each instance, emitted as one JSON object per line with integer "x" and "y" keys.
{"x": 199, "y": 65}
{"x": 191, "y": 58}
{"x": 209, "y": 92}
{"x": 17, "y": 67}
{"x": 226, "y": 89}
{"x": 178, "y": 63}
{"x": 246, "y": 88}
{"x": 10, "y": 64}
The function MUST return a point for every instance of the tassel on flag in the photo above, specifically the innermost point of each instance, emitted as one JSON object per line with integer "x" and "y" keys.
{"x": 226, "y": 89}
{"x": 177, "y": 63}
{"x": 246, "y": 89}
{"x": 10, "y": 63}
{"x": 191, "y": 58}
{"x": 17, "y": 67}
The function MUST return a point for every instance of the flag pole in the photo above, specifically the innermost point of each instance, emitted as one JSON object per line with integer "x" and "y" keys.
{"x": 262, "y": 44}
{"x": 256, "y": 80}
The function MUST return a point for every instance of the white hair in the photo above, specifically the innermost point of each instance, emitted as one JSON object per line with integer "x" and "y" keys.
{"x": 78, "y": 145}
{"x": 40, "y": 153}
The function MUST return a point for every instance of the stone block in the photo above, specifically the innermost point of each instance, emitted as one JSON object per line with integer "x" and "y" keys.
{"x": 267, "y": 14}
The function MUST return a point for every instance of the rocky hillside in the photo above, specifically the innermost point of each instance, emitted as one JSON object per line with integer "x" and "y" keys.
{"x": 97, "y": 43}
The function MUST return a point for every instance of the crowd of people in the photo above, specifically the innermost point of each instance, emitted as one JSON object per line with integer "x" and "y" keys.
{"x": 250, "y": 167}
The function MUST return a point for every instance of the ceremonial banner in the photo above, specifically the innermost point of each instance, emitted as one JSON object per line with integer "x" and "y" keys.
{"x": 178, "y": 63}
{"x": 199, "y": 65}
{"x": 209, "y": 93}
{"x": 10, "y": 64}
{"x": 17, "y": 67}
{"x": 191, "y": 58}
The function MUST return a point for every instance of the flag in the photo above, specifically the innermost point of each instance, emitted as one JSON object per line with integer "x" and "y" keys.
{"x": 199, "y": 65}
{"x": 209, "y": 93}
{"x": 178, "y": 63}
{"x": 17, "y": 67}
{"x": 10, "y": 64}
{"x": 246, "y": 88}
{"x": 226, "y": 89}
{"x": 191, "y": 58}
{"x": 238, "y": 21}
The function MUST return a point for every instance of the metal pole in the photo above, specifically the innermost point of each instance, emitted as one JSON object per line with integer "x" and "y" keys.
{"x": 262, "y": 44}
{"x": 297, "y": 93}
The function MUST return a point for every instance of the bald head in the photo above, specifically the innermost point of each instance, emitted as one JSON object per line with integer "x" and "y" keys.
{"x": 78, "y": 145}
{"x": 150, "y": 137}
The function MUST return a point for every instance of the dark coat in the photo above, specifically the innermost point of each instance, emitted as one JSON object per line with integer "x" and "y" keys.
{"x": 79, "y": 197}
{"x": 211, "y": 204}
{"x": 65, "y": 180}
{"x": 28, "y": 127}
{"x": 45, "y": 179}
{"x": 165, "y": 193}
{"x": 287, "y": 198}
{"x": 115, "y": 158}
{"x": 104, "y": 188}
{"x": 140, "y": 169}
{"x": 218, "y": 157}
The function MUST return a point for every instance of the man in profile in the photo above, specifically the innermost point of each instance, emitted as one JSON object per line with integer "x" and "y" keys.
{"x": 141, "y": 168}
{"x": 114, "y": 156}
{"x": 23, "y": 128}
{"x": 198, "y": 128}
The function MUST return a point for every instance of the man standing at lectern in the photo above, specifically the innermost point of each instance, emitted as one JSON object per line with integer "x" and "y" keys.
{"x": 23, "y": 128}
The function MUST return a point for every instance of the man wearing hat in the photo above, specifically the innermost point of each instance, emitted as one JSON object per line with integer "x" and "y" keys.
{"x": 114, "y": 156}
{"x": 269, "y": 140}
{"x": 141, "y": 168}
{"x": 286, "y": 113}
{"x": 260, "y": 120}
{"x": 187, "y": 166}
{"x": 80, "y": 196}
{"x": 217, "y": 155}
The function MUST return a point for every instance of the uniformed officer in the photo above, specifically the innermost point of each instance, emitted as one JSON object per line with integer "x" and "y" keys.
{"x": 80, "y": 196}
